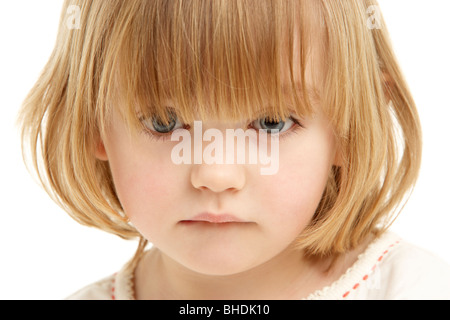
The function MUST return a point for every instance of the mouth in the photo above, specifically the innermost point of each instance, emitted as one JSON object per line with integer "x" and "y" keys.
{"x": 214, "y": 219}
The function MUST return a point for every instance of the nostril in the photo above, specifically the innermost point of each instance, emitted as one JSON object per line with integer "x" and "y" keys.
{"x": 216, "y": 178}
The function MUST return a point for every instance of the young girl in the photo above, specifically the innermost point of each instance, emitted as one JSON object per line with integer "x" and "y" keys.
{"x": 313, "y": 82}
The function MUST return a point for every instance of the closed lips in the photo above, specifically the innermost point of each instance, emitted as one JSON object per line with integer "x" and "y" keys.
{"x": 214, "y": 218}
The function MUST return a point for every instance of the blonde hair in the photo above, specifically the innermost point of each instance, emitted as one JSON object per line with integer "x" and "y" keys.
{"x": 209, "y": 54}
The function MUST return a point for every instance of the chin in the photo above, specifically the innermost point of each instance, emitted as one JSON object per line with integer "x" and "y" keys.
{"x": 217, "y": 265}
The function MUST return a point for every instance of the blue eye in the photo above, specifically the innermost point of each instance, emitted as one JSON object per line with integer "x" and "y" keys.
{"x": 156, "y": 124}
{"x": 273, "y": 125}
{"x": 162, "y": 128}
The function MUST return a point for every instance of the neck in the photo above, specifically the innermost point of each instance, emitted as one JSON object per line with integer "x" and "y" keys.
{"x": 289, "y": 275}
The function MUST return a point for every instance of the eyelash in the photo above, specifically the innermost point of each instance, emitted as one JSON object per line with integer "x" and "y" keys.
{"x": 162, "y": 137}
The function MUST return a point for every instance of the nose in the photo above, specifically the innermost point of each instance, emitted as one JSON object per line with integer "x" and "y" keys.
{"x": 218, "y": 177}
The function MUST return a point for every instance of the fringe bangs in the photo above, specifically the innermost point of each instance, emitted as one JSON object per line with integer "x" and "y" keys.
{"x": 209, "y": 60}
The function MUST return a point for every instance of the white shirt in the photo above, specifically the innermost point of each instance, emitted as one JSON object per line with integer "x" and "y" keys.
{"x": 389, "y": 268}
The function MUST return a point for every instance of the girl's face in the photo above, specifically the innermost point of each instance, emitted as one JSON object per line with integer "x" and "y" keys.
{"x": 178, "y": 207}
{"x": 220, "y": 219}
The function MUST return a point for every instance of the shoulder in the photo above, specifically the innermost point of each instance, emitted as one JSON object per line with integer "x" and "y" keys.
{"x": 410, "y": 272}
{"x": 391, "y": 268}
{"x": 100, "y": 290}
{"x": 118, "y": 286}
{"x": 399, "y": 270}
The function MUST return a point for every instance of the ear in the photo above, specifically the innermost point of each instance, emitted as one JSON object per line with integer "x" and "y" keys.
{"x": 100, "y": 151}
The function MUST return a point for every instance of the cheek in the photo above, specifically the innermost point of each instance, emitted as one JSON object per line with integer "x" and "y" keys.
{"x": 143, "y": 188}
{"x": 299, "y": 184}
{"x": 144, "y": 182}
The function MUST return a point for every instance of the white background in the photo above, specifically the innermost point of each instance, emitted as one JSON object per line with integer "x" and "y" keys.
{"x": 44, "y": 254}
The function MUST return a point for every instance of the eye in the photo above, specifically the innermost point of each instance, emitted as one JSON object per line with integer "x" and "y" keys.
{"x": 155, "y": 124}
{"x": 273, "y": 125}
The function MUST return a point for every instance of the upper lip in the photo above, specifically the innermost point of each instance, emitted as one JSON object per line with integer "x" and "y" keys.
{"x": 215, "y": 218}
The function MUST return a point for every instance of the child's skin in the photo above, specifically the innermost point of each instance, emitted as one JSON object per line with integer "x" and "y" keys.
{"x": 252, "y": 259}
